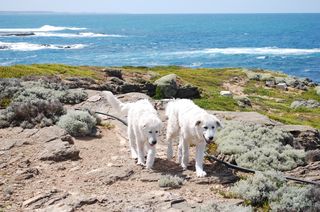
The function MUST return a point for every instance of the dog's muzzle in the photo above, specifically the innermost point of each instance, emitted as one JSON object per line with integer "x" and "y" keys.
{"x": 210, "y": 141}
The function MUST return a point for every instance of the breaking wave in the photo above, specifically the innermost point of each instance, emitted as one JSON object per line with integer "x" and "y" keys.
{"x": 23, "y": 46}
{"x": 252, "y": 51}
{"x": 45, "y": 28}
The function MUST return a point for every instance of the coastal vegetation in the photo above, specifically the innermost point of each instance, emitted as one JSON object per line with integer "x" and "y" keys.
{"x": 270, "y": 101}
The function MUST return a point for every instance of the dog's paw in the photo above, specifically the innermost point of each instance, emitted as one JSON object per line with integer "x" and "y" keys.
{"x": 141, "y": 163}
{"x": 201, "y": 174}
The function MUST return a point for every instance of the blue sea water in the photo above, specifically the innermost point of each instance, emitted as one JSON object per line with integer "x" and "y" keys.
{"x": 283, "y": 42}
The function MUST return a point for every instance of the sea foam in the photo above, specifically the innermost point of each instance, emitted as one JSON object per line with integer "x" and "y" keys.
{"x": 45, "y": 28}
{"x": 251, "y": 51}
{"x": 24, "y": 46}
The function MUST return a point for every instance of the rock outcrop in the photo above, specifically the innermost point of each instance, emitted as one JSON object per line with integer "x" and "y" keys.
{"x": 168, "y": 87}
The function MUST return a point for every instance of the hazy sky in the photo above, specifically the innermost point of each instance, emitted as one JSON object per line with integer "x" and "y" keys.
{"x": 164, "y": 6}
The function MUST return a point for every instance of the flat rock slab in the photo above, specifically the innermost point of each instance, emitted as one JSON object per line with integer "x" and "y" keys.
{"x": 58, "y": 150}
{"x": 110, "y": 175}
{"x": 48, "y": 134}
{"x": 7, "y": 144}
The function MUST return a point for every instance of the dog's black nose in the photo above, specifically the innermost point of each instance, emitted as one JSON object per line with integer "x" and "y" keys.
{"x": 154, "y": 142}
{"x": 210, "y": 138}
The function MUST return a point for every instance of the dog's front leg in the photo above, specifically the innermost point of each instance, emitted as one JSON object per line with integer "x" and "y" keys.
{"x": 132, "y": 142}
{"x": 140, "y": 147}
{"x": 185, "y": 153}
{"x": 151, "y": 156}
{"x": 199, "y": 159}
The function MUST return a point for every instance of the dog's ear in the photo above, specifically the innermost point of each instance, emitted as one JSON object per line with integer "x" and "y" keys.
{"x": 219, "y": 124}
{"x": 198, "y": 123}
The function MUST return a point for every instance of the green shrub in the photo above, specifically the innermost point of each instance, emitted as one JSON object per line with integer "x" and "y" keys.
{"x": 78, "y": 123}
{"x": 159, "y": 93}
{"x": 223, "y": 207}
{"x": 270, "y": 188}
{"x": 8, "y": 88}
{"x": 257, "y": 188}
{"x": 170, "y": 181}
{"x": 259, "y": 147}
{"x": 31, "y": 113}
{"x": 291, "y": 198}
{"x": 47, "y": 91}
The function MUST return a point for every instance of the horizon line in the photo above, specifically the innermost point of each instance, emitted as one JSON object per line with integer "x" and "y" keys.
{"x": 160, "y": 13}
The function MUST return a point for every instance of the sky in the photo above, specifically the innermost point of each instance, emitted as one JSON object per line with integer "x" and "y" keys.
{"x": 164, "y": 6}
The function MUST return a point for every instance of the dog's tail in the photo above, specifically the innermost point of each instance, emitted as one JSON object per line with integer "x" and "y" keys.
{"x": 115, "y": 103}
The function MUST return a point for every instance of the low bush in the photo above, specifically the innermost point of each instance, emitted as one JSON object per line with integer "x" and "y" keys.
{"x": 170, "y": 181}
{"x": 46, "y": 91}
{"x": 259, "y": 147}
{"x": 78, "y": 123}
{"x": 31, "y": 113}
{"x": 270, "y": 188}
{"x": 257, "y": 188}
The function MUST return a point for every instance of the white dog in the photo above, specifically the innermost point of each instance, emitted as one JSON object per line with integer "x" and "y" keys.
{"x": 193, "y": 125}
{"x": 143, "y": 127}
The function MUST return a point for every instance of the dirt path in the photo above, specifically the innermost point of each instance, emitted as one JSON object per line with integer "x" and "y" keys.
{"x": 102, "y": 178}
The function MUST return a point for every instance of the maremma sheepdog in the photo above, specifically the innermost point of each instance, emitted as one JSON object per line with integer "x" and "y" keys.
{"x": 143, "y": 127}
{"x": 192, "y": 125}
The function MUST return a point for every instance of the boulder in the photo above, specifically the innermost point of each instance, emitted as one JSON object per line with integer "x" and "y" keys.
{"x": 113, "y": 73}
{"x": 168, "y": 85}
{"x": 188, "y": 91}
{"x": 302, "y": 103}
{"x": 59, "y": 150}
{"x": 318, "y": 90}
{"x": 282, "y": 86}
{"x": 252, "y": 75}
{"x": 270, "y": 83}
{"x": 304, "y": 137}
{"x": 225, "y": 93}
{"x": 243, "y": 101}
{"x": 279, "y": 80}
{"x": 291, "y": 81}
{"x": 266, "y": 77}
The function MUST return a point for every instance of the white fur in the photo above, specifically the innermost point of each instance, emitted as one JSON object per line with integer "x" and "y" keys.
{"x": 143, "y": 127}
{"x": 193, "y": 125}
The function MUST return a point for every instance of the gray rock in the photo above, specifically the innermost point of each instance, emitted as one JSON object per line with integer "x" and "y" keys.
{"x": 116, "y": 80}
{"x": 266, "y": 77}
{"x": 225, "y": 93}
{"x": 168, "y": 85}
{"x": 110, "y": 175}
{"x": 243, "y": 101}
{"x": 270, "y": 83}
{"x": 291, "y": 81}
{"x": 304, "y": 137}
{"x": 302, "y": 103}
{"x": 27, "y": 174}
{"x": 7, "y": 144}
{"x": 188, "y": 91}
{"x": 113, "y": 73}
{"x": 282, "y": 86}
{"x": 51, "y": 133}
{"x": 252, "y": 75}
{"x": 279, "y": 80}
{"x": 317, "y": 90}
{"x": 59, "y": 150}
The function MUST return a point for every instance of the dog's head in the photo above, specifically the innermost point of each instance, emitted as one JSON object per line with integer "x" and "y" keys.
{"x": 207, "y": 127}
{"x": 151, "y": 128}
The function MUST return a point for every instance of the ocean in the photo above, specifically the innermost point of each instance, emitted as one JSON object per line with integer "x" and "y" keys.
{"x": 283, "y": 42}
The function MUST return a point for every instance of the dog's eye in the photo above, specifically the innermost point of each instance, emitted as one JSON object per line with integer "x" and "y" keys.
{"x": 156, "y": 131}
{"x": 150, "y": 132}
{"x": 205, "y": 128}
{"x": 212, "y": 127}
